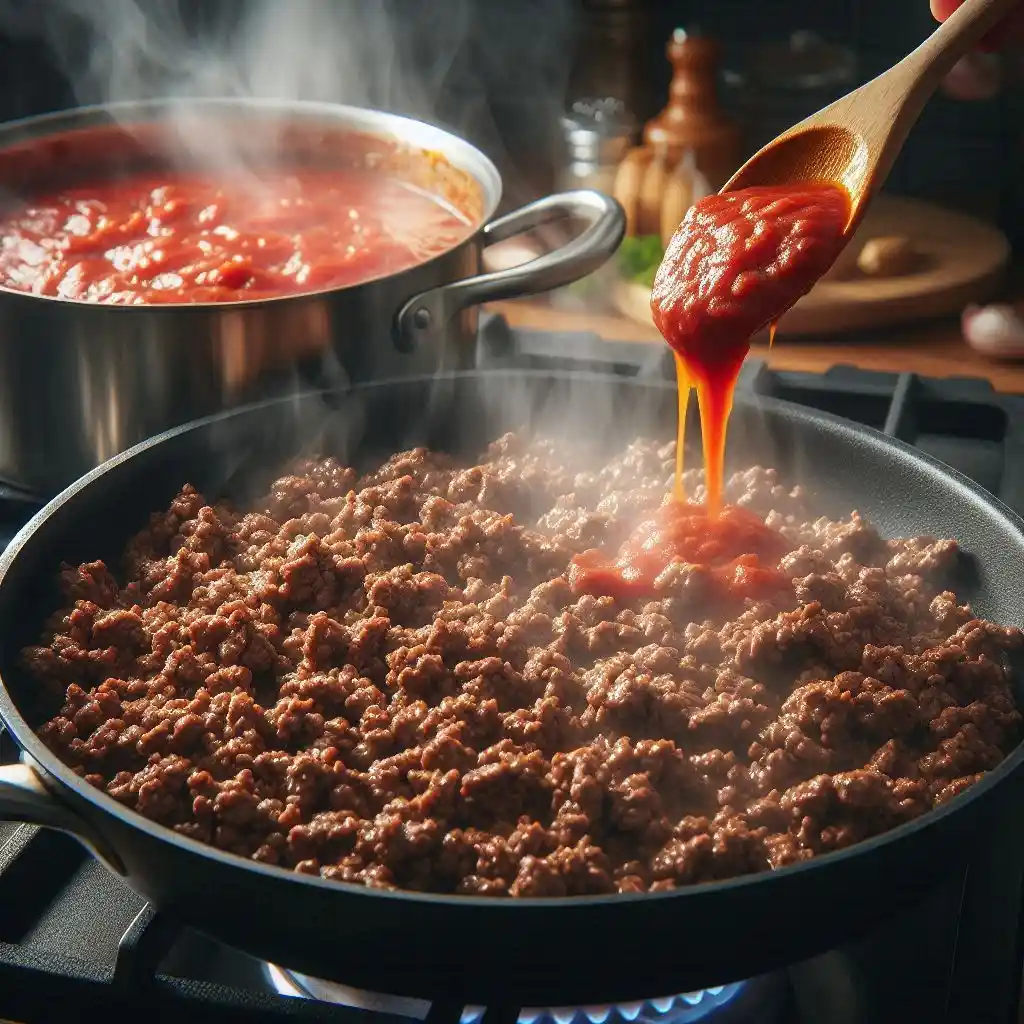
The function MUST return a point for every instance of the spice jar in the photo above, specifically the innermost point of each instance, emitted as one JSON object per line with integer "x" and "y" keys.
{"x": 781, "y": 83}
{"x": 597, "y": 134}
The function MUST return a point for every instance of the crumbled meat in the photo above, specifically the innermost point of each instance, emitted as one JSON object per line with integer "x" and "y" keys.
{"x": 387, "y": 680}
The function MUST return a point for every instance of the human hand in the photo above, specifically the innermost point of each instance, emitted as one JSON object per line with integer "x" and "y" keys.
{"x": 1009, "y": 33}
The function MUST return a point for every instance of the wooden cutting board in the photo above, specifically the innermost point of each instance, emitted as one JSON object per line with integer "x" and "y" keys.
{"x": 963, "y": 260}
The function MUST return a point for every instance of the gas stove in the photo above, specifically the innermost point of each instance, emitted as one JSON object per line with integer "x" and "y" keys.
{"x": 74, "y": 935}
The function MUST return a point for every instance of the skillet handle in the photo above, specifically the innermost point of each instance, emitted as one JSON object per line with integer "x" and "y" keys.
{"x": 25, "y": 798}
{"x": 426, "y": 316}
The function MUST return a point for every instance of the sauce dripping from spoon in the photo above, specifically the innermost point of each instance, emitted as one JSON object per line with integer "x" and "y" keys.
{"x": 737, "y": 262}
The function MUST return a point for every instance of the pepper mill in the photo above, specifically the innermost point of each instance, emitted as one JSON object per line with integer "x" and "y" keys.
{"x": 693, "y": 118}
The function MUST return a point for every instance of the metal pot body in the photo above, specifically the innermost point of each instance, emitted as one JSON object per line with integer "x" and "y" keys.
{"x": 80, "y": 382}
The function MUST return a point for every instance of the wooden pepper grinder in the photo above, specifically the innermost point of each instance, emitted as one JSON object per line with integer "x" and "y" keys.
{"x": 693, "y": 119}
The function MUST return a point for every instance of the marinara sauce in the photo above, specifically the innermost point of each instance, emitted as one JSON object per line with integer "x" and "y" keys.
{"x": 737, "y": 262}
{"x": 736, "y": 548}
{"x": 161, "y": 238}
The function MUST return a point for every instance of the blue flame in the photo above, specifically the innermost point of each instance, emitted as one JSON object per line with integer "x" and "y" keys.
{"x": 687, "y": 1008}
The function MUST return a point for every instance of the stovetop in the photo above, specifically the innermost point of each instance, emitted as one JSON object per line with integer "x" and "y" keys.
{"x": 74, "y": 935}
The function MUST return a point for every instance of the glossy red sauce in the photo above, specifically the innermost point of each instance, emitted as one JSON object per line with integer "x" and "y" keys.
{"x": 737, "y": 262}
{"x": 198, "y": 238}
{"x": 739, "y": 552}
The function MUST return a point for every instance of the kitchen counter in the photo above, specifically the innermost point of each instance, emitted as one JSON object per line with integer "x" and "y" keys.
{"x": 933, "y": 349}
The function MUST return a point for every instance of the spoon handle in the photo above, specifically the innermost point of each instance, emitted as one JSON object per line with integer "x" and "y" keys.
{"x": 962, "y": 30}
{"x": 883, "y": 111}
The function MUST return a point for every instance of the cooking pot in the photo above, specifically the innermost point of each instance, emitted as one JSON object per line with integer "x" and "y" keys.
{"x": 474, "y": 950}
{"x": 80, "y": 382}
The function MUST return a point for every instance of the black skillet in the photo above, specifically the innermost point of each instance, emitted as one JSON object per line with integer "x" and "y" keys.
{"x": 550, "y": 952}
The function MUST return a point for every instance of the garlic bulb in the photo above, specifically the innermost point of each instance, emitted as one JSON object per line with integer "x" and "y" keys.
{"x": 996, "y": 330}
{"x": 513, "y": 252}
{"x": 684, "y": 187}
{"x": 888, "y": 256}
{"x": 652, "y": 188}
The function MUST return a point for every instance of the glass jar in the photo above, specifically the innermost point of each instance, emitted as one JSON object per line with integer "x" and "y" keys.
{"x": 597, "y": 134}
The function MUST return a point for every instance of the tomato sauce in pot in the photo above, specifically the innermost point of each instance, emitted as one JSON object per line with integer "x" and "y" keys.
{"x": 156, "y": 237}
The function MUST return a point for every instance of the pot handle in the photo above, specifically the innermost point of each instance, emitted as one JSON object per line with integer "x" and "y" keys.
{"x": 429, "y": 313}
{"x": 25, "y": 798}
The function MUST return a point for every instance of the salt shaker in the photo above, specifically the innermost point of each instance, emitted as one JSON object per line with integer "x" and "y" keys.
{"x": 597, "y": 133}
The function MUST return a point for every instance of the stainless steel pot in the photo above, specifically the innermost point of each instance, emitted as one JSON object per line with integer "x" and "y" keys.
{"x": 80, "y": 382}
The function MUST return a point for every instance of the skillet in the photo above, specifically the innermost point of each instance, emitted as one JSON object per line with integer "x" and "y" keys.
{"x": 474, "y": 948}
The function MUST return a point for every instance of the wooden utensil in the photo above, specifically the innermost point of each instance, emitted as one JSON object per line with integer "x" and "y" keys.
{"x": 854, "y": 141}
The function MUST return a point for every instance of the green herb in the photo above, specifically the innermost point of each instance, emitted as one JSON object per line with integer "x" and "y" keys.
{"x": 639, "y": 258}
{"x": 589, "y": 287}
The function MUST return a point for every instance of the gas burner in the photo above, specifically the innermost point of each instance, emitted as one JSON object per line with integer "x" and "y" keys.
{"x": 760, "y": 1000}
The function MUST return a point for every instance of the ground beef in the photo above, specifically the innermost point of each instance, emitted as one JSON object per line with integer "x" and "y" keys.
{"x": 388, "y": 680}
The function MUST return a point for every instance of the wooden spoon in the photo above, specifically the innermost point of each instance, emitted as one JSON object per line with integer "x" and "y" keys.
{"x": 854, "y": 141}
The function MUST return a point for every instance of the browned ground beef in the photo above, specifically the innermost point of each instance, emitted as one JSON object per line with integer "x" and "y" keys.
{"x": 387, "y": 680}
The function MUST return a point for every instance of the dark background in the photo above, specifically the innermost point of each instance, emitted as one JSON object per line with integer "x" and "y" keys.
{"x": 963, "y": 154}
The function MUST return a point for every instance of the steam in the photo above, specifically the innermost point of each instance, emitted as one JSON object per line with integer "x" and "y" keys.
{"x": 472, "y": 66}
{"x": 444, "y": 61}
{"x": 344, "y": 51}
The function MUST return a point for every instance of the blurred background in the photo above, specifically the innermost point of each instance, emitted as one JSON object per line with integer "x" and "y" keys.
{"x": 654, "y": 102}
{"x": 964, "y": 153}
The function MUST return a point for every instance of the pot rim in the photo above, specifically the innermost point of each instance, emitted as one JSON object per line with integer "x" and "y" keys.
{"x": 459, "y": 152}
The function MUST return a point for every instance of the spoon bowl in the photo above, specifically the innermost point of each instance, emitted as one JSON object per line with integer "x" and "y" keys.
{"x": 811, "y": 153}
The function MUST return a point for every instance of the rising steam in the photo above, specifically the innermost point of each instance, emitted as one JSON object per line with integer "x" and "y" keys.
{"x": 446, "y": 61}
